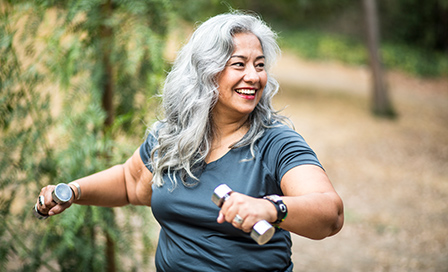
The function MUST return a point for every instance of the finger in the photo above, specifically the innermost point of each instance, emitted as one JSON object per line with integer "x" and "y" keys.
{"x": 45, "y": 200}
{"x": 59, "y": 208}
{"x": 221, "y": 219}
{"x": 40, "y": 206}
{"x": 224, "y": 214}
{"x": 224, "y": 217}
{"x": 246, "y": 226}
{"x": 38, "y": 214}
{"x": 230, "y": 215}
{"x": 237, "y": 221}
{"x": 230, "y": 208}
{"x": 41, "y": 201}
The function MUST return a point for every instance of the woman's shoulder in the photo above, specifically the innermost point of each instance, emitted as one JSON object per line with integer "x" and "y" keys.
{"x": 281, "y": 137}
{"x": 151, "y": 138}
{"x": 280, "y": 131}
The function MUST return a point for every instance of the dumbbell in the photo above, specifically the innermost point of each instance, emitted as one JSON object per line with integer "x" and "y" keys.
{"x": 261, "y": 232}
{"x": 61, "y": 194}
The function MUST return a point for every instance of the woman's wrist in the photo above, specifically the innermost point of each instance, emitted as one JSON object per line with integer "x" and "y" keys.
{"x": 281, "y": 209}
{"x": 76, "y": 189}
{"x": 272, "y": 211}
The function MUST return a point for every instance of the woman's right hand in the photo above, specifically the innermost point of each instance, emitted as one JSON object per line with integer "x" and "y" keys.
{"x": 47, "y": 206}
{"x": 128, "y": 183}
{"x": 249, "y": 209}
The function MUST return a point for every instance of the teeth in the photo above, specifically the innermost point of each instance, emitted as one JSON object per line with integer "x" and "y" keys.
{"x": 246, "y": 91}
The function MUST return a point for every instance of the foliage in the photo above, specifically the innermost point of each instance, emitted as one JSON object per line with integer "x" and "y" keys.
{"x": 423, "y": 24}
{"x": 52, "y": 130}
{"x": 289, "y": 12}
{"x": 414, "y": 33}
{"x": 318, "y": 45}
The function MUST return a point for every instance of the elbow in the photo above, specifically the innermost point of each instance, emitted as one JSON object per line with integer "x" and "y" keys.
{"x": 337, "y": 219}
{"x": 329, "y": 230}
{"x": 332, "y": 223}
{"x": 338, "y": 224}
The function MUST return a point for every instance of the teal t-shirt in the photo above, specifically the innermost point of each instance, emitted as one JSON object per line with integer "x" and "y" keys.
{"x": 190, "y": 238}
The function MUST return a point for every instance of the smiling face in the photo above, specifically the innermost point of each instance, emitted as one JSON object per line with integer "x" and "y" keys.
{"x": 242, "y": 81}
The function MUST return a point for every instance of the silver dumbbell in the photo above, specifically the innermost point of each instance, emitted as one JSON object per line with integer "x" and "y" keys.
{"x": 61, "y": 194}
{"x": 261, "y": 232}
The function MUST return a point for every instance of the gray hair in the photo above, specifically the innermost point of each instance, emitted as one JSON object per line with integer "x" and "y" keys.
{"x": 191, "y": 91}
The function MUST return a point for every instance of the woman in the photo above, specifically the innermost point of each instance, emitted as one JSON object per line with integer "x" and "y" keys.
{"x": 219, "y": 127}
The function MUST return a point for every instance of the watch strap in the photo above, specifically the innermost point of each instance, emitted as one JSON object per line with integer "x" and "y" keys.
{"x": 282, "y": 210}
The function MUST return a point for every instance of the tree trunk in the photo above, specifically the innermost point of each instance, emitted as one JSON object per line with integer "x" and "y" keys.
{"x": 381, "y": 104}
{"x": 106, "y": 36}
{"x": 110, "y": 252}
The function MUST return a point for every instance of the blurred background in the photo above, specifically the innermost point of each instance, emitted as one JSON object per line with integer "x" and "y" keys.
{"x": 365, "y": 82}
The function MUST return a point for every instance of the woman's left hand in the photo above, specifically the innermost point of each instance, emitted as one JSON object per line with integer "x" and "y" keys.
{"x": 248, "y": 209}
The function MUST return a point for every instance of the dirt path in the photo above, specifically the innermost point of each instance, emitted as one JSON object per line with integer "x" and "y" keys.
{"x": 392, "y": 175}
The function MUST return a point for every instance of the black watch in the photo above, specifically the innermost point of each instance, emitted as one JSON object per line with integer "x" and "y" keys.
{"x": 282, "y": 210}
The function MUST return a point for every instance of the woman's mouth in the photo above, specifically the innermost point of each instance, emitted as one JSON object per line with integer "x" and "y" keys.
{"x": 246, "y": 91}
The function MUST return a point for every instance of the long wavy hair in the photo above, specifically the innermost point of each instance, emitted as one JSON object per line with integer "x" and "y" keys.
{"x": 191, "y": 91}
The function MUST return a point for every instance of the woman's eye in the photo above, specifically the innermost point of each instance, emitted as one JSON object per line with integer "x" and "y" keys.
{"x": 238, "y": 64}
{"x": 260, "y": 65}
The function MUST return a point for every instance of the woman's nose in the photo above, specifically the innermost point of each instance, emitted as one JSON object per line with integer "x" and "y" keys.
{"x": 251, "y": 75}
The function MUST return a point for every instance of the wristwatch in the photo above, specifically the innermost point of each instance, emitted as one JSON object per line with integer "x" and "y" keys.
{"x": 282, "y": 210}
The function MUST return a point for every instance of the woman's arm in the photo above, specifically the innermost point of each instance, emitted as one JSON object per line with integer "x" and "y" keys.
{"x": 129, "y": 183}
{"x": 315, "y": 210}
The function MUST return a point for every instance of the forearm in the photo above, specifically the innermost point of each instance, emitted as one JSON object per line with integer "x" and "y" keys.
{"x": 316, "y": 215}
{"x": 106, "y": 188}
{"x": 117, "y": 186}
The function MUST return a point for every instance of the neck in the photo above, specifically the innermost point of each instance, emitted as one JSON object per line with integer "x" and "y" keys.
{"x": 225, "y": 134}
{"x": 228, "y": 131}
{"x": 225, "y": 127}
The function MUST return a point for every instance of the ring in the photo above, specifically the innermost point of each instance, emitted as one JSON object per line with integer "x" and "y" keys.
{"x": 41, "y": 200}
{"x": 238, "y": 219}
{"x": 38, "y": 214}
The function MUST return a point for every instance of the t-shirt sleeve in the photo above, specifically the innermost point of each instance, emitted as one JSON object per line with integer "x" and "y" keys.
{"x": 286, "y": 150}
{"x": 145, "y": 150}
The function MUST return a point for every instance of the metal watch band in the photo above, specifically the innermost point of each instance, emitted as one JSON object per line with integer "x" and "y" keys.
{"x": 78, "y": 189}
{"x": 282, "y": 210}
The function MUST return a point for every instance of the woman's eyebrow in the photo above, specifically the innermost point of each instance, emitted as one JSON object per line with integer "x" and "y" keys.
{"x": 244, "y": 57}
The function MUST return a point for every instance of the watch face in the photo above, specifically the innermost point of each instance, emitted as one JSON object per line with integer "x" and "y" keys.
{"x": 282, "y": 207}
